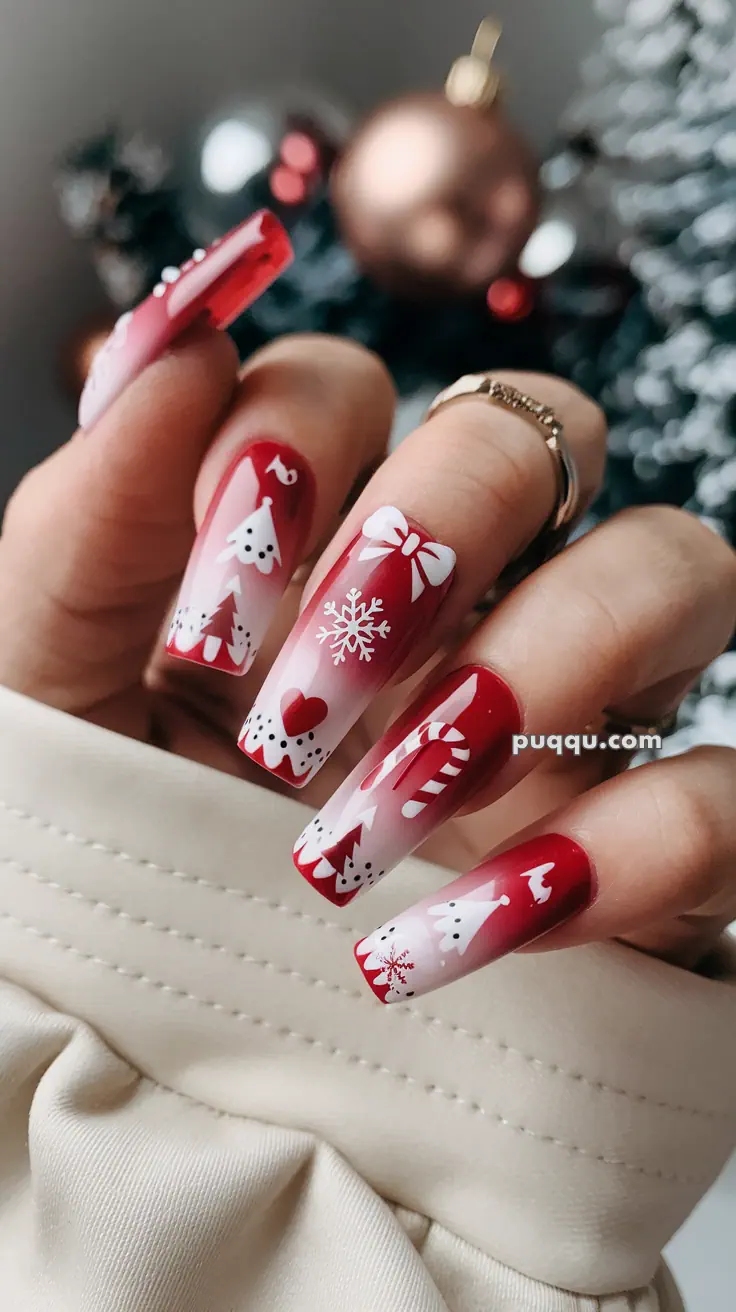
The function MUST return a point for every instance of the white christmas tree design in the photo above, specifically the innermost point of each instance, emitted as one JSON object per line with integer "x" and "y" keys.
{"x": 354, "y": 627}
{"x": 254, "y": 541}
{"x": 460, "y": 921}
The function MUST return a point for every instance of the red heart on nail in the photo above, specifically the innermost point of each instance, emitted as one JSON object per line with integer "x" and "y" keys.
{"x": 300, "y": 713}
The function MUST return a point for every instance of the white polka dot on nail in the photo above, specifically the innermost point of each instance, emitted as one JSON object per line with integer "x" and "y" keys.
{"x": 170, "y": 274}
{"x": 199, "y": 255}
{"x": 160, "y": 289}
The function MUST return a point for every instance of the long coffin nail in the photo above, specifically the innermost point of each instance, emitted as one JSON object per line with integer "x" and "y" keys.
{"x": 245, "y": 554}
{"x": 351, "y": 638}
{"x": 504, "y": 904}
{"x": 215, "y": 285}
{"x": 427, "y": 766}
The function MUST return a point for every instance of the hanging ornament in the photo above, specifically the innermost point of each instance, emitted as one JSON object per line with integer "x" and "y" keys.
{"x": 510, "y": 299}
{"x": 437, "y": 193}
{"x": 576, "y": 221}
{"x": 572, "y": 260}
{"x": 273, "y": 150}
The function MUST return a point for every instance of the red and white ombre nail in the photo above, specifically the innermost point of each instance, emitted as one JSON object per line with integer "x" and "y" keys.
{"x": 500, "y": 906}
{"x": 430, "y": 762}
{"x": 246, "y": 552}
{"x": 216, "y": 285}
{"x": 353, "y": 635}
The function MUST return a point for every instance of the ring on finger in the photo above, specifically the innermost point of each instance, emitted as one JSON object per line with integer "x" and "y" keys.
{"x": 553, "y": 534}
{"x": 552, "y": 431}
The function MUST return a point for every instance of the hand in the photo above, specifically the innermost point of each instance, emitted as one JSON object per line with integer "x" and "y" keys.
{"x": 96, "y": 541}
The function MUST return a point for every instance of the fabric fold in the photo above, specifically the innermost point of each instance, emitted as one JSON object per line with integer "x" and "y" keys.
{"x": 559, "y": 1114}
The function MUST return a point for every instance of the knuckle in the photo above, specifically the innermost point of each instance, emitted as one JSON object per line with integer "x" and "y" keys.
{"x": 689, "y": 826}
{"x": 661, "y": 530}
{"x": 680, "y": 532}
{"x": 321, "y": 364}
{"x": 604, "y": 629}
{"x": 340, "y": 390}
{"x": 687, "y": 556}
{"x": 500, "y": 454}
{"x": 663, "y": 538}
{"x": 338, "y": 353}
{"x": 513, "y": 464}
{"x": 493, "y": 457}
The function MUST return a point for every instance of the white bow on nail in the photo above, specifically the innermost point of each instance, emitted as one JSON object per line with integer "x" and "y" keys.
{"x": 431, "y": 562}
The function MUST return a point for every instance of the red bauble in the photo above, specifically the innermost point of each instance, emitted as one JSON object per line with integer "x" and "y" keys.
{"x": 510, "y": 299}
{"x": 287, "y": 186}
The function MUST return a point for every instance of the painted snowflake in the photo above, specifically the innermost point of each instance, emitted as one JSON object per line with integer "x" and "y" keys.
{"x": 354, "y": 627}
{"x": 395, "y": 965}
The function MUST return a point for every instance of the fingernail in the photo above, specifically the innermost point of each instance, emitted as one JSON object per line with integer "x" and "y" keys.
{"x": 245, "y": 554}
{"x": 351, "y": 638}
{"x": 502, "y": 905}
{"x": 427, "y": 766}
{"x": 217, "y": 285}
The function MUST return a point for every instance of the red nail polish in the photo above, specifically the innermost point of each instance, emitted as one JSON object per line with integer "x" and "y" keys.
{"x": 245, "y": 554}
{"x": 351, "y": 638}
{"x": 431, "y": 761}
{"x": 500, "y": 906}
{"x": 218, "y": 285}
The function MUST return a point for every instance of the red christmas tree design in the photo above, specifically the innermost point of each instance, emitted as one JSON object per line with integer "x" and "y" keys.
{"x": 223, "y": 620}
{"x": 343, "y": 851}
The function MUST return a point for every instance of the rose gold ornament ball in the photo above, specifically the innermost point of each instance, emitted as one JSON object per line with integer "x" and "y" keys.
{"x": 434, "y": 198}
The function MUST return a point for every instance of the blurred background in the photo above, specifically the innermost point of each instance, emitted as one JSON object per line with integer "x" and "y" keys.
{"x": 70, "y": 67}
{"x": 584, "y": 221}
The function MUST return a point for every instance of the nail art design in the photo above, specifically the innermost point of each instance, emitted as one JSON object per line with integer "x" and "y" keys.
{"x": 504, "y": 904}
{"x": 425, "y": 767}
{"x": 217, "y": 284}
{"x": 245, "y": 554}
{"x": 354, "y": 634}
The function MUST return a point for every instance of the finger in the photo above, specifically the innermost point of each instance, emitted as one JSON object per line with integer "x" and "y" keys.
{"x": 651, "y": 853}
{"x": 433, "y": 529}
{"x": 310, "y": 413}
{"x": 212, "y": 287}
{"x": 95, "y": 539}
{"x": 641, "y": 604}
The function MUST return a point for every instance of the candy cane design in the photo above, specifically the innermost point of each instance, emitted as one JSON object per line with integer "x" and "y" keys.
{"x": 452, "y": 739}
{"x": 434, "y": 731}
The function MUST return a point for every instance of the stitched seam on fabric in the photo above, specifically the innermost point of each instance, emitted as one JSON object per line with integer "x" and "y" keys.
{"x": 119, "y": 854}
{"x": 349, "y": 1058}
{"x": 576, "y": 1077}
{"x": 428, "y": 1021}
{"x": 96, "y": 904}
{"x": 315, "y": 981}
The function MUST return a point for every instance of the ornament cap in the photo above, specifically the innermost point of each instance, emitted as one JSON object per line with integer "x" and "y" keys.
{"x": 473, "y": 81}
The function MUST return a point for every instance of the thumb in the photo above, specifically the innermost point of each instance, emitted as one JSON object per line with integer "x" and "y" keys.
{"x": 95, "y": 539}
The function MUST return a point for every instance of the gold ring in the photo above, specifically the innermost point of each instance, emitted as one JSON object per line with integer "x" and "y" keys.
{"x": 545, "y": 419}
